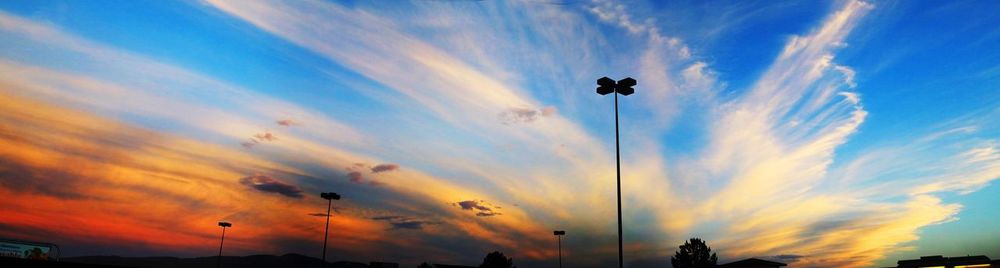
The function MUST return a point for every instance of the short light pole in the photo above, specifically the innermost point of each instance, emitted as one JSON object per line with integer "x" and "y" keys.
{"x": 329, "y": 198}
{"x": 559, "y": 235}
{"x": 223, "y": 224}
{"x": 624, "y": 87}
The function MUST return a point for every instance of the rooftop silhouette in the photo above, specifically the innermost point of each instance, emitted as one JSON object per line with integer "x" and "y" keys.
{"x": 947, "y": 262}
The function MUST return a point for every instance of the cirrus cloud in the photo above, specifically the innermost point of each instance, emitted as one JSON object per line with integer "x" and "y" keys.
{"x": 402, "y": 222}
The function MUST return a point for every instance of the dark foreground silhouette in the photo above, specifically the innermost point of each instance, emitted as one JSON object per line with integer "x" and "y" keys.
{"x": 694, "y": 253}
{"x": 941, "y": 261}
{"x": 252, "y": 261}
{"x": 494, "y": 259}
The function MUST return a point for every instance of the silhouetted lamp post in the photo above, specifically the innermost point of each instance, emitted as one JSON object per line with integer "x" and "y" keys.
{"x": 624, "y": 87}
{"x": 559, "y": 235}
{"x": 223, "y": 224}
{"x": 329, "y": 198}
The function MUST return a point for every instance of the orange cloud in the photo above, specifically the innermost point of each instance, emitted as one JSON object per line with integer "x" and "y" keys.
{"x": 67, "y": 174}
{"x": 86, "y": 178}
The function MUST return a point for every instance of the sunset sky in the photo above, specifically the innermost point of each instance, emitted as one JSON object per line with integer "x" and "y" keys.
{"x": 822, "y": 134}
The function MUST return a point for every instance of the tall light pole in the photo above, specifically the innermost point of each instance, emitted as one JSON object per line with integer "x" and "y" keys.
{"x": 223, "y": 224}
{"x": 624, "y": 87}
{"x": 329, "y": 198}
{"x": 559, "y": 235}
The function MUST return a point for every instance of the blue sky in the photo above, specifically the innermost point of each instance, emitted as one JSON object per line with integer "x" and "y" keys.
{"x": 843, "y": 133}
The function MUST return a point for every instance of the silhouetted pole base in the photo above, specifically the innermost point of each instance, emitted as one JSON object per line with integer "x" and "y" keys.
{"x": 218, "y": 262}
{"x": 326, "y": 233}
{"x": 624, "y": 87}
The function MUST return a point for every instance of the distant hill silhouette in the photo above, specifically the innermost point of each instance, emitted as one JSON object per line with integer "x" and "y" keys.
{"x": 252, "y": 261}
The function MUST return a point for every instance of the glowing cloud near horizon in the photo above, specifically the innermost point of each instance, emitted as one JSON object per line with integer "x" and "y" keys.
{"x": 449, "y": 136}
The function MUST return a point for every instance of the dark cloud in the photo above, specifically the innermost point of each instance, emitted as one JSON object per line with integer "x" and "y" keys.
{"x": 249, "y": 144}
{"x": 401, "y": 222}
{"x": 387, "y": 218}
{"x": 413, "y": 225}
{"x": 20, "y": 177}
{"x": 482, "y": 208}
{"x": 355, "y": 177}
{"x": 267, "y": 184}
{"x": 335, "y": 209}
{"x": 786, "y": 258}
{"x": 472, "y": 204}
{"x": 487, "y": 213}
{"x": 287, "y": 122}
{"x": 384, "y": 167}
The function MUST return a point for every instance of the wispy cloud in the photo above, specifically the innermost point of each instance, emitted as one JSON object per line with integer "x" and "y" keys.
{"x": 766, "y": 158}
{"x": 525, "y": 115}
{"x": 199, "y": 117}
{"x": 138, "y": 184}
{"x": 384, "y": 168}
{"x": 287, "y": 122}
{"x": 478, "y": 107}
{"x": 265, "y": 136}
{"x": 168, "y": 92}
{"x": 401, "y": 222}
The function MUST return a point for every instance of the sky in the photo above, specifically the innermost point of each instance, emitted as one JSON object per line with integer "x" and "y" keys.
{"x": 816, "y": 133}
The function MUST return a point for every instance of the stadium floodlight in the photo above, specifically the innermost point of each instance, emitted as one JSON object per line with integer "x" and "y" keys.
{"x": 624, "y": 87}
{"x": 559, "y": 235}
{"x": 224, "y": 225}
{"x": 329, "y": 198}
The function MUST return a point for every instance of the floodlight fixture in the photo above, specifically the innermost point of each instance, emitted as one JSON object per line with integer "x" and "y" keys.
{"x": 223, "y": 224}
{"x": 330, "y": 196}
{"x": 559, "y": 235}
{"x": 624, "y": 87}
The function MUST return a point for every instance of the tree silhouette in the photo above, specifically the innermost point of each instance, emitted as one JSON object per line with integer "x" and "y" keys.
{"x": 424, "y": 265}
{"x": 694, "y": 253}
{"x": 496, "y": 259}
{"x": 35, "y": 254}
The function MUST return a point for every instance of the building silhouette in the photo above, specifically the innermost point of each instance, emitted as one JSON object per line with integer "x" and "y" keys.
{"x": 948, "y": 262}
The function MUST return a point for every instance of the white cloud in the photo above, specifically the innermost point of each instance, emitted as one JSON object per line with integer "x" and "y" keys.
{"x": 168, "y": 92}
{"x": 125, "y": 85}
{"x": 767, "y": 171}
{"x": 769, "y": 151}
